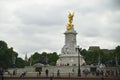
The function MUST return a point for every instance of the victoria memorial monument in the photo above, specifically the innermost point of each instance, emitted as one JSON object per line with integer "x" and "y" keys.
{"x": 69, "y": 54}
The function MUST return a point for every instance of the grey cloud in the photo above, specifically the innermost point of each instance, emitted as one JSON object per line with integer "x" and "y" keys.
{"x": 114, "y": 34}
{"x": 91, "y": 32}
{"x": 115, "y": 18}
{"x": 36, "y": 14}
{"x": 112, "y": 4}
{"x": 116, "y": 4}
{"x": 99, "y": 7}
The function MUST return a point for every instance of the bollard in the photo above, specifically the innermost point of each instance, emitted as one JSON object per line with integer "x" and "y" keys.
{"x": 51, "y": 78}
{"x": 102, "y": 78}
{"x": 53, "y": 74}
{"x": 69, "y": 74}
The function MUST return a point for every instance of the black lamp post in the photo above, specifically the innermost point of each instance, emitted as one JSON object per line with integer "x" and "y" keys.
{"x": 78, "y": 51}
{"x": 13, "y": 60}
{"x": 116, "y": 62}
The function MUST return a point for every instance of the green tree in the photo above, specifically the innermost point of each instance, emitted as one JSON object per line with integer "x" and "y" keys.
{"x": 117, "y": 53}
{"x": 20, "y": 63}
{"x": 6, "y": 55}
{"x": 107, "y": 58}
{"x": 84, "y": 52}
{"x": 44, "y": 58}
{"x": 92, "y": 57}
{"x": 52, "y": 58}
{"x": 34, "y": 58}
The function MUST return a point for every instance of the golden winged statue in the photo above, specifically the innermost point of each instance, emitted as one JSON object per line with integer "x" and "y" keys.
{"x": 70, "y": 19}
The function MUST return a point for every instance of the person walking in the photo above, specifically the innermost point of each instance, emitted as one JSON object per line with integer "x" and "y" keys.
{"x": 58, "y": 73}
{"x": 46, "y": 72}
{"x": 1, "y": 74}
{"x": 73, "y": 71}
{"x": 14, "y": 72}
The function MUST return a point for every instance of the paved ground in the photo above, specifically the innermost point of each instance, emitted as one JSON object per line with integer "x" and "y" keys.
{"x": 35, "y": 76}
{"x": 61, "y": 78}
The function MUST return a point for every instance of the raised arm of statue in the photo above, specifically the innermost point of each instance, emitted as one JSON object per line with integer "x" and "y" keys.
{"x": 70, "y": 17}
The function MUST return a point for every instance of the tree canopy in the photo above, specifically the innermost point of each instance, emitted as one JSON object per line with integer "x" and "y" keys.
{"x": 44, "y": 58}
{"x": 94, "y": 56}
{"x": 7, "y": 55}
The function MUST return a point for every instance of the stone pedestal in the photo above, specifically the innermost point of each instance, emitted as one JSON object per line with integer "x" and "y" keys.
{"x": 69, "y": 55}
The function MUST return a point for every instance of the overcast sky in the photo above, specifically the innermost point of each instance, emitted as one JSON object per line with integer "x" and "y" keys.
{"x": 38, "y": 25}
